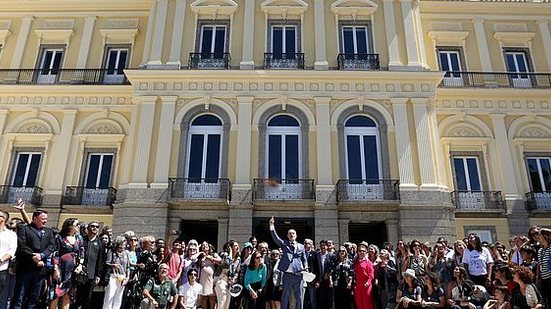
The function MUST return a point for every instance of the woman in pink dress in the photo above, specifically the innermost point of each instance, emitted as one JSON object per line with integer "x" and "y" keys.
{"x": 363, "y": 269}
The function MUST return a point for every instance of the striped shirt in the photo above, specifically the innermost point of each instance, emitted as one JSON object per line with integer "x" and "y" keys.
{"x": 544, "y": 256}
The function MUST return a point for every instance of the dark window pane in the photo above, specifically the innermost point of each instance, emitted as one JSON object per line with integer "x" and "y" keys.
{"x": 360, "y": 121}
{"x": 348, "y": 40}
{"x": 454, "y": 57}
{"x": 206, "y": 120}
{"x": 274, "y": 156}
{"x": 361, "y": 40}
{"x": 354, "y": 158}
{"x": 105, "y": 176}
{"x": 290, "y": 40}
{"x": 195, "y": 166}
{"x": 219, "y": 42}
{"x": 371, "y": 161}
{"x": 283, "y": 121}
{"x": 206, "y": 43}
{"x": 460, "y": 176}
{"x": 546, "y": 173}
{"x": 291, "y": 157}
{"x": 277, "y": 40}
{"x": 511, "y": 67}
{"x": 93, "y": 171}
{"x": 57, "y": 62}
{"x": 521, "y": 62}
{"x": 20, "y": 170}
{"x": 534, "y": 175}
{"x": 122, "y": 61}
{"x": 112, "y": 62}
{"x": 213, "y": 157}
{"x": 473, "y": 174}
{"x": 33, "y": 170}
{"x": 47, "y": 61}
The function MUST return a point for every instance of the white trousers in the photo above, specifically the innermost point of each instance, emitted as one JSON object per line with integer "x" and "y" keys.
{"x": 221, "y": 288}
{"x": 113, "y": 294}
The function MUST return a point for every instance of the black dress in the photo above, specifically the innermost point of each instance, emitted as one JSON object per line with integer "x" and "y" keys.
{"x": 343, "y": 275}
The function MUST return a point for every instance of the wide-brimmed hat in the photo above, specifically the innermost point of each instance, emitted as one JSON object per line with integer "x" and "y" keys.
{"x": 409, "y": 272}
{"x": 236, "y": 290}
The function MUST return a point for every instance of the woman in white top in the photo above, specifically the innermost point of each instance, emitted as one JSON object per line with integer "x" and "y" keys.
{"x": 524, "y": 277}
{"x": 478, "y": 261}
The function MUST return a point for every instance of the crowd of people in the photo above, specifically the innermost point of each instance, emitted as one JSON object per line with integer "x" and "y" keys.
{"x": 44, "y": 268}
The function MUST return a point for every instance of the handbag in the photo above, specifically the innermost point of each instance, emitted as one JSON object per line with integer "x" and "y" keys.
{"x": 80, "y": 275}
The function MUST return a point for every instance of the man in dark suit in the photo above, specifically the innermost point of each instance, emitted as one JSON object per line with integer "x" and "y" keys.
{"x": 313, "y": 258}
{"x": 94, "y": 261}
{"x": 327, "y": 264}
{"x": 292, "y": 262}
{"x": 35, "y": 244}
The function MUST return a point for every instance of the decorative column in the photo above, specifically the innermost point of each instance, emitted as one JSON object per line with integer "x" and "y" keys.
{"x": 411, "y": 37}
{"x": 243, "y": 155}
{"x": 164, "y": 142}
{"x": 343, "y": 230}
{"x": 158, "y": 37}
{"x": 85, "y": 41}
{"x": 482, "y": 43}
{"x": 424, "y": 144}
{"x": 392, "y": 231}
{"x": 505, "y": 159}
{"x": 21, "y": 42}
{"x": 546, "y": 39}
{"x": 222, "y": 232}
{"x": 149, "y": 31}
{"x": 247, "y": 63}
{"x": 177, "y": 35}
{"x": 438, "y": 153}
{"x": 143, "y": 142}
{"x": 391, "y": 36}
{"x": 403, "y": 144}
{"x": 3, "y": 116}
{"x": 319, "y": 23}
{"x": 323, "y": 141}
{"x": 129, "y": 145}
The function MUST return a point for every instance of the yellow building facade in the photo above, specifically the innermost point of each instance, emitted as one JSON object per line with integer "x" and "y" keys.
{"x": 345, "y": 119}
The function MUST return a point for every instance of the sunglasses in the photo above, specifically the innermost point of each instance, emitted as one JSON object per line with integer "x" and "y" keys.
{"x": 93, "y": 226}
{"x": 193, "y": 275}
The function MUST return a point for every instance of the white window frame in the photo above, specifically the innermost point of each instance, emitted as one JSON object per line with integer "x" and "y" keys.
{"x": 484, "y": 234}
{"x": 98, "y": 178}
{"x": 519, "y": 81}
{"x": 205, "y": 131}
{"x": 213, "y": 40}
{"x": 115, "y": 76}
{"x": 49, "y": 78}
{"x": 283, "y": 38}
{"x": 363, "y": 131}
{"x": 355, "y": 39}
{"x": 455, "y": 78}
{"x": 466, "y": 169}
{"x": 25, "y": 178}
{"x": 283, "y": 132}
{"x": 538, "y": 163}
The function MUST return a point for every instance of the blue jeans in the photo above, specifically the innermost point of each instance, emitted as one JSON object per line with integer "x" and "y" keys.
{"x": 311, "y": 301}
{"x": 292, "y": 283}
{"x": 29, "y": 285}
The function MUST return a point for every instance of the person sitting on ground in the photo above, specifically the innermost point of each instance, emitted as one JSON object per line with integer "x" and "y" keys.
{"x": 189, "y": 292}
{"x": 159, "y": 290}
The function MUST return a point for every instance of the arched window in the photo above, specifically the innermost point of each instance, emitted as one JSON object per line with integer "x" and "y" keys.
{"x": 362, "y": 150}
{"x": 204, "y": 149}
{"x": 283, "y": 148}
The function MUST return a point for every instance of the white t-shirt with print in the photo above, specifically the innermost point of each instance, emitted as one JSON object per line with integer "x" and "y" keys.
{"x": 477, "y": 261}
{"x": 190, "y": 294}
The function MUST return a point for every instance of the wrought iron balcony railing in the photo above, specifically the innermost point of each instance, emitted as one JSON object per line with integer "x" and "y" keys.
{"x": 289, "y": 61}
{"x": 62, "y": 77}
{"x": 209, "y": 60}
{"x": 538, "y": 200}
{"x": 200, "y": 188}
{"x": 350, "y": 190}
{"x": 478, "y": 200}
{"x": 10, "y": 194}
{"x": 359, "y": 62}
{"x": 457, "y": 79}
{"x": 284, "y": 189}
{"x": 76, "y": 195}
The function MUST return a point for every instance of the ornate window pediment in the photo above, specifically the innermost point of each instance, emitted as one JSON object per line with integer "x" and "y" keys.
{"x": 352, "y": 9}
{"x": 284, "y": 7}
{"x": 514, "y": 39}
{"x": 214, "y": 7}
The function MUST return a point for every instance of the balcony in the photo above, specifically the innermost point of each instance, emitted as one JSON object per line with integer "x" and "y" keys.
{"x": 75, "y": 195}
{"x": 456, "y": 79}
{"x": 473, "y": 201}
{"x": 62, "y": 77}
{"x": 200, "y": 189}
{"x": 368, "y": 190}
{"x": 10, "y": 194}
{"x": 358, "y": 62}
{"x": 284, "y": 61}
{"x": 538, "y": 200}
{"x": 284, "y": 189}
{"x": 212, "y": 61}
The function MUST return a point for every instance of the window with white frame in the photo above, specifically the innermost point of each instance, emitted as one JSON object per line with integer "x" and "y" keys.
{"x": 27, "y": 165}
{"x": 213, "y": 40}
{"x": 467, "y": 174}
{"x": 450, "y": 62}
{"x": 283, "y": 148}
{"x": 116, "y": 60}
{"x": 49, "y": 63}
{"x": 362, "y": 149}
{"x": 517, "y": 62}
{"x": 485, "y": 234}
{"x": 99, "y": 167}
{"x": 355, "y": 40}
{"x": 539, "y": 169}
{"x": 284, "y": 40}
{"x": 204, "y": 149}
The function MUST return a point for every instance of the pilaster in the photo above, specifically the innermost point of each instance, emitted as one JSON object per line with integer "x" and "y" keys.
{"x": 177, "y": 34}
{"x": 343, "y": 231}
{"x": 411, "y": 37}
{"x": 319, "y": 23}
{"x": 149, "y": 31}
{"x": 392, "y": 231}
{"x": 482, "y": 43}
{"x": 158, "y": 37}
{"x": 222, "y": 232}
{"x": 21, "y": 42}
{"x": 164, "y": 142}
{"x": 247, "y": 63}
{"x": 243, "y": 156}
{"x": 391, "y": 36}
{"x": 85, "y": 41}
{"x": 129, "y": 144}
{"x": 143, "y": 142}
{"x": 403, "y": 144}
{"x": 323, "y": 133}
{"x": 424, "y": 144}
{"x": 437, "y": 146}
{"x": 543, "y": 26}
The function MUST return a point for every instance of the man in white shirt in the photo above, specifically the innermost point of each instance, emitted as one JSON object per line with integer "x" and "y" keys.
{"x": 8, "y": 245}
{"x": 189, "y": 291}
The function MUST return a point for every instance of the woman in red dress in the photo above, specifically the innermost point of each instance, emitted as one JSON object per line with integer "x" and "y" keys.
{"x": 363, "y": 269}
